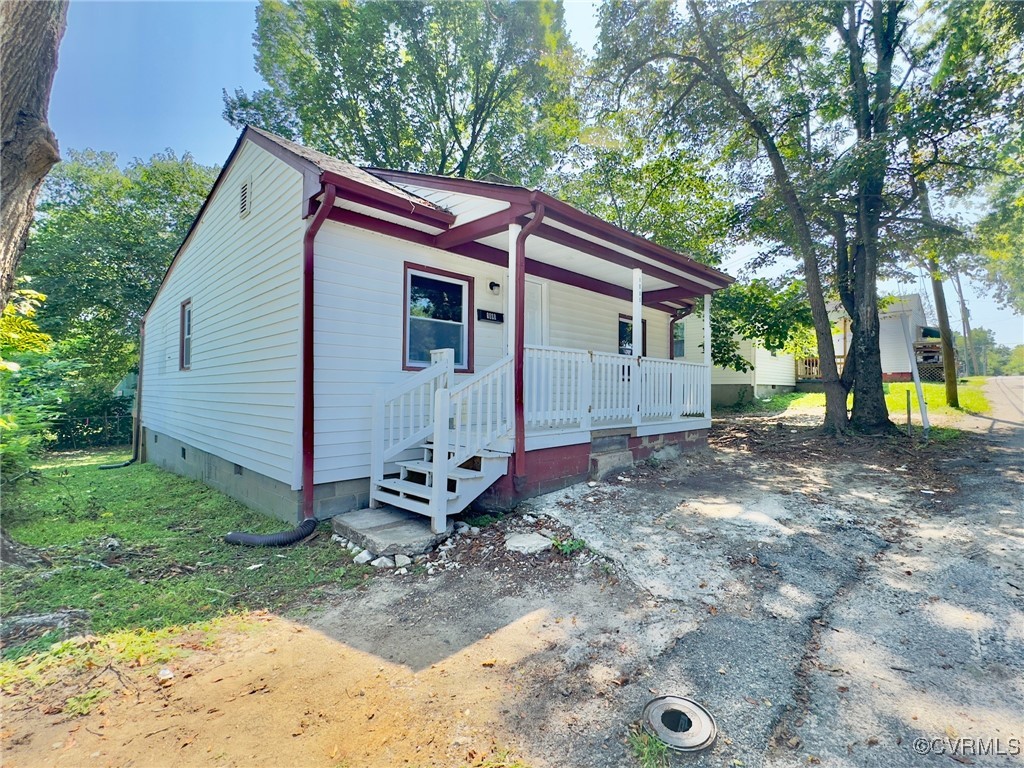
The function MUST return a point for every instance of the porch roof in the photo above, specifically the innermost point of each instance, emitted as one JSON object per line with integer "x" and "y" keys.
{"x": 569, "y": 242}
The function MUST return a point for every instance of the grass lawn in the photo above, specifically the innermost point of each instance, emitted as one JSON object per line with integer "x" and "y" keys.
{"x": 168, "y": 565}
{"x": 972, "y": 400}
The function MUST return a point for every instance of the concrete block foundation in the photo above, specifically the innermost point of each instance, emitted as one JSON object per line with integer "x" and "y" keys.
{"x": 255, "y": 490}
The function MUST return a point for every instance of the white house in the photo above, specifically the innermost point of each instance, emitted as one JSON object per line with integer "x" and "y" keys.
{"x": 329, "y": 337}
{"x": 771, "y": 373}
{"x": 892, "y": 341}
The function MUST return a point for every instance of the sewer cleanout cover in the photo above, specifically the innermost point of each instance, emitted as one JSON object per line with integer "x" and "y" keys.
{"x": 683, "y": 724}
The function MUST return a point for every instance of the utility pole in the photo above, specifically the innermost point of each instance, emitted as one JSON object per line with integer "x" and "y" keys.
{"x": 965, "y": 319}
{"x": 932, "y": 262}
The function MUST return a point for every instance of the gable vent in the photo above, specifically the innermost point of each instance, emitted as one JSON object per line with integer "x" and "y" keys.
{"x": 245, "y": 198}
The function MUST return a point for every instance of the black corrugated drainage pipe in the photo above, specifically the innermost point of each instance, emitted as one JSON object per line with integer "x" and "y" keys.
{"x": 308, "y": 524}
{"x": 137, "y": 425}
{"x": 282, "y": 539}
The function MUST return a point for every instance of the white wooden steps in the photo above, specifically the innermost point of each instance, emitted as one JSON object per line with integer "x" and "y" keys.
{"x": 462, "y": 429}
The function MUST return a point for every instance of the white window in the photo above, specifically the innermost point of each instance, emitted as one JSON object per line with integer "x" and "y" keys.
{"x": 678, "y": 339}
{"x": 438, "y": 315}
{"x": 185, "y": 336}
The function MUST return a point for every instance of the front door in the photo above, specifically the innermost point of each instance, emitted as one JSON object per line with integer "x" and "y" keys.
{"x": 536, "y": 310}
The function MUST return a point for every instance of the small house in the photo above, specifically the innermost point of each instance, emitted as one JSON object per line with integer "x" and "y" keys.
{"x": 898, "y": 318}
{"x": 329, "y": 338}
{"x": 771, "y": 373}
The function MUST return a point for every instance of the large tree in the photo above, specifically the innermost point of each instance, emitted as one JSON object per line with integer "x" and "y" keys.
{"x": 815, "y": 105}
{"x": 103, "y": 240}
{"x": 453, "y": 87}
{"x": 675, "y": 198}
{"x": 30, "y": 33}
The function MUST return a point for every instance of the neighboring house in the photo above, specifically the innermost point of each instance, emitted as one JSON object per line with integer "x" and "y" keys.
{"x": 772, "y": 373}
{"x": 126, "y": 387}
{"x": 892, "y": 341}
{"x": 329, "y": 337}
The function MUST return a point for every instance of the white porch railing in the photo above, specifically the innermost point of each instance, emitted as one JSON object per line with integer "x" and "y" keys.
{"x": 572, "y": 388}
{"x": 404, "y": 415}
{"x": 477, "y": 412}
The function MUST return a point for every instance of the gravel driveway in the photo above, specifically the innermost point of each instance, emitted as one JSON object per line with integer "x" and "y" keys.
{"x": 842, "y": 605}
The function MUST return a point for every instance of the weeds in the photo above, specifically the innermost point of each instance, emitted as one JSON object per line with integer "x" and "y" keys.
{"x": 569, "y": 547}
{"x": 482, "y": 521}
{"x": 649, "y": 751}
{"x": 83, "y": 703}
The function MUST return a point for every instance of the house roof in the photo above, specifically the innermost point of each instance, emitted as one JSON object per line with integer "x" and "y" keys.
{"x": 570, "y": 245}
{"x": 340, "y": 168}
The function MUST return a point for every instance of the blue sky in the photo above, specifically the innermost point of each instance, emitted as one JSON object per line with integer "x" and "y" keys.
{"x": 142, "y": 76}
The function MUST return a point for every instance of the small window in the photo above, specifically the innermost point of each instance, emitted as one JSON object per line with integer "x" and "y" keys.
{"x": 626, "y": 336}
{"x": 185, "y": 344}
{"x": 438, "y": 315}
{"x": 245, "y": 198}
{"x": 678, "y": 339}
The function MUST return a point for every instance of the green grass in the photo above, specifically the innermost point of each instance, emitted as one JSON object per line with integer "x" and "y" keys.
{"x": 650, "y": 752}
{"x": 171, "y": 566}
{"x": 972, "y": 400}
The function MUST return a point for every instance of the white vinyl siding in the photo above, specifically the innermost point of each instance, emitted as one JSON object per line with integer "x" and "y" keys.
{"x": 730, "y": 376}
{"x": 779, "y": 370}
{"x": 581, "y": 319}
{"x": 360, "y": 314}
{"x": 243, "y": 275}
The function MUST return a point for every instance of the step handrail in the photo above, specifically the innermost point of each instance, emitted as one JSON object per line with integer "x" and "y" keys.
{"x": 475, "y": 413}
{"x": 403, "y": 415}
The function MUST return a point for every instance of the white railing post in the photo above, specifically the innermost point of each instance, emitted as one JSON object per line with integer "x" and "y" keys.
{"x": 445, "y": 357}
{"x": 706, "y": 383}
{"x": 586, "y": 404}
{"x": 636, "y": 387}
{"x": 377, "y": 446}
{"x": 439, "y": 468}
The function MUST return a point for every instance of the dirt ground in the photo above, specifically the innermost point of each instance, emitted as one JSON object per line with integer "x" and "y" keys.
{"x": 829, "y": 605}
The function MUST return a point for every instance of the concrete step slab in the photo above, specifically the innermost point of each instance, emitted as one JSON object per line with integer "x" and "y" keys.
{"x": 389, "y": 531}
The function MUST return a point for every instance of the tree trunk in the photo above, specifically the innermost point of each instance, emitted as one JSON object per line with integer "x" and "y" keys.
{"x": 835, "y": 393}
{"x": 965, "y": 319}
{"x": 30, "y": 33}
{"x": 948, "y": 351}
{"x": 871, "y": 101}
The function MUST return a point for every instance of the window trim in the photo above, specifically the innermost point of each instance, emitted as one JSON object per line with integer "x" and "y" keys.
{"x": 185, "y": 308}
{"x": 643, "y": 327}
{"x": 410, "y": 268}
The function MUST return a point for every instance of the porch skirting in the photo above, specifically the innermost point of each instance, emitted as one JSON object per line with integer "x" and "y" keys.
{"x": 607, "y": 451}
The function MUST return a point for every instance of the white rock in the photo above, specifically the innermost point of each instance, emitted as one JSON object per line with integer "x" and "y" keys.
{"x": 461, "y": 526}
{"x": 527, "y": 543}
{"x": 402, "y": 571}
{"x": 363, "y": 557}
{"x": 339, "y": 539}
{"x": 592, "y": 484}
{"x": 402, "y": 561}
{"x": 383, "y": 562}
{"x": 474, "y": 531}
{"x": 529, "y": 519}
{"x": 354, "y": 548}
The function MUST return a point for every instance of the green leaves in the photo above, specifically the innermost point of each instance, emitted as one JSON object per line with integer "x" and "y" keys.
{"x": 448, "y": 87}
{"x": 101, "y": 243}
